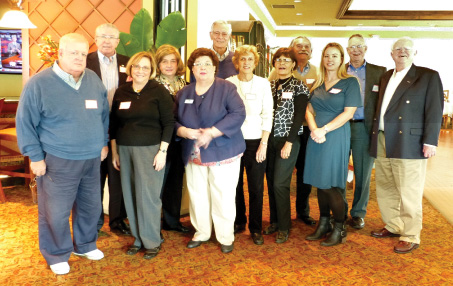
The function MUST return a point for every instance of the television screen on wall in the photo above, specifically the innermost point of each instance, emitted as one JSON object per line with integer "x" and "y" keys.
{"x": 11, "y": 51}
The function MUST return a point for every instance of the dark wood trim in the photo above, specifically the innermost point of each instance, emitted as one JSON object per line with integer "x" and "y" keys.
{"x": 344, "y": 8}
{"x": 396, "y": 15}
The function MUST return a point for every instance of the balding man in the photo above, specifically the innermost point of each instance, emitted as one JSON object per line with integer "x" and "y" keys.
{"x": 62, "y": 125}
{"x": 111, "y": 69}
{"x": 361, "y": 123}
{"x": 405, "y": 134}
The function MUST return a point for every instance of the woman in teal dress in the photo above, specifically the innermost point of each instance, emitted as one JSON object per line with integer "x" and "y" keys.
{"x": 334, "y": 98}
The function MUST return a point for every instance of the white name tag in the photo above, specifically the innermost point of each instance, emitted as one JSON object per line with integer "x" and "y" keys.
{"x": 125, "y": 105}
{"x": 375, "y": 88}
{"x": 335, "y": 90}
{"x": 91, "y": 104}
{"x": 122, "y": 69}
{"x": 287, "y": 95}
{"x": 310, "y": 80}
{"x": 250, "y": 96}
{"x": 188, "y": 101}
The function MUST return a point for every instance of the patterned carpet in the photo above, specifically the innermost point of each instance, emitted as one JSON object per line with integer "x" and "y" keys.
{"x": 362, "y": 260}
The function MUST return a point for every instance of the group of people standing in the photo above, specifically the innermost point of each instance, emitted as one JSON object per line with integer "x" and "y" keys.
{"x": 225, "y": 121}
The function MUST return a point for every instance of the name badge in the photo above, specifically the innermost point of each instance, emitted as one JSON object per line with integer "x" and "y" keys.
{"x": 122, "y": 69}
{"x": 310, "y": 80}
{"x": 287, "y": 94}
{"x": 335, "y": 90}
{"x": 188, "y": 101}
{"x": 250, "y": 96}
{"x": 125, "y": 105}
{"x": 375, "y": 88}
{"x": 91, "y": 104}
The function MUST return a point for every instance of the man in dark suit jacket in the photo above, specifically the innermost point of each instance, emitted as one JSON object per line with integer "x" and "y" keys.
{"x": 361, "y": 123}
{"x": 111, "y": 68}
{"x": 405, "y": 133}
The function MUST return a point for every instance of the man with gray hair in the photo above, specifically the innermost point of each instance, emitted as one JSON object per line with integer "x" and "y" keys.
{"x": 111, "y": 69}
{"x": 62, "y": 125}
{"x": 361, "y": 123}
{"x": 405, "y": 133}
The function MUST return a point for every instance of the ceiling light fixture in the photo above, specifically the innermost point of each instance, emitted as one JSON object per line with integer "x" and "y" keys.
{"x": 15, "y": 18}
{"x": 299, "y": 14}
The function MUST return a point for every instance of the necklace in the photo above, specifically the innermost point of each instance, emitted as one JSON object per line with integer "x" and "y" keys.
{"x": 280, "y": 85}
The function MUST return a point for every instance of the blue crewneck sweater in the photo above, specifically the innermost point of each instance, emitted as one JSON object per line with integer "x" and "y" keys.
{"x": 54, "y": 118}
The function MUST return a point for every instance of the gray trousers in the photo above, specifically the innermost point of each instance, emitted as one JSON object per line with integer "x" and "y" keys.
{"x": 141, "y": 191}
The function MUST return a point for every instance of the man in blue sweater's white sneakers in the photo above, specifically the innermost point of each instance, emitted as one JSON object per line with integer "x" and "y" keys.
{"x": 62, "y": 125}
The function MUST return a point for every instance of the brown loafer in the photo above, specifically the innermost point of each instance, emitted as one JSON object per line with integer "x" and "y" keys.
{"x": 383, "y": 233}
{"x": 403, "y": 247}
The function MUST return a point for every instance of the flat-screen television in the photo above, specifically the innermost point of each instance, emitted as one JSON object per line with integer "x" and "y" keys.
{"x": 11, "y": 51}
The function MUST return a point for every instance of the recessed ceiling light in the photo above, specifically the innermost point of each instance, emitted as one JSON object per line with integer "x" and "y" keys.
{"x": 299, "y": 14}
{"x": 360, "y": 24}
{"x": 301, "y": 24}
{"x": 297, "y": 1}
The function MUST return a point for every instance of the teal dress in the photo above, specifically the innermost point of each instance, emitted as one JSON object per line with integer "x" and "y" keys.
{"x": 326, "y": 164}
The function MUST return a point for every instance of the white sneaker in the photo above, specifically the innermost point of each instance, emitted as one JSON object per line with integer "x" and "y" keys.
{"x": 92, "y": 255}
{"x": 60, "y": 268}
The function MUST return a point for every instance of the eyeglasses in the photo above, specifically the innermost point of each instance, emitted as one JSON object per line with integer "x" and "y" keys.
{"x": 207, "y": 64}
{"x": 223, "y": 34}
{"x": 400, "y": 49}
{"x": 106, "y": 37}
{"x": 137, "y": 68}
{"x": 283, "y": 60}
{"x": 76, "y": 54}
{"x": 356, "y": 47}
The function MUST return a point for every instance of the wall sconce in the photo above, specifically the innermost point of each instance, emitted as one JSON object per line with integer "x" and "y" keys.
{"x": 15, "y": 18}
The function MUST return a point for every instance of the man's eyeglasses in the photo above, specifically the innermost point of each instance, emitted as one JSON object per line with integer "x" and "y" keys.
{"x": 400, "y": 49}
{"x": 356, "y": 46}
{"x": 137, "y": 68}
{"x": 106, "y": 37}
{"x": 283, "y": 60}
{"x": 223, "y": 34}
{"x": 202, "y": 64}
{"x": 76, "y": 54}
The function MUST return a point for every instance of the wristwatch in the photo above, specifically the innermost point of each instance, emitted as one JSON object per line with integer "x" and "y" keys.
{"x": 163, "y": 151}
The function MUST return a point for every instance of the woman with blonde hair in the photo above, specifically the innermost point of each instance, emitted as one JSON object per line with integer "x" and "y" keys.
{"x": 334, "y": 98}
{"x": 170, "y": 69}
{"x": 141, "y": 126}
{"x": 256, "y": 93}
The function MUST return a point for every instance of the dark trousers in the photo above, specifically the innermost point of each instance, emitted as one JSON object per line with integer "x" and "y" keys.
{"x": 303, "y": 190}
{"x": 278, "y": 173}
{"x": 172, "y": 189}
{"x": 117, "y": 210}
{"x": 363, "y": 165}
{"x": 255, "y": 181}
{"x": 68, "y": 185}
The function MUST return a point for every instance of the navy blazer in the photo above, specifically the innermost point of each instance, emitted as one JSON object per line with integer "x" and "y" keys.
{"x": 413, "y": 116}
{"x": 222, "y": 107}
{"x": 93, "y": 64}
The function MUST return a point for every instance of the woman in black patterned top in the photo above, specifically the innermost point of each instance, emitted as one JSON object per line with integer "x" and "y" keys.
{"x": 290, "y": 101}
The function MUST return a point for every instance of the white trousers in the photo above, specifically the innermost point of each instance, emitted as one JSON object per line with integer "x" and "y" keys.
{"x": 212, "y": 192}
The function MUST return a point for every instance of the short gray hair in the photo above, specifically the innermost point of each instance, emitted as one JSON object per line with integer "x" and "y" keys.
{"x": 107, "y": 26}
{"x": 293, "y": 42}
{"x": 222, "y": 22}
{"x": 406, "y": 39}
{"x": 72, "y": 38}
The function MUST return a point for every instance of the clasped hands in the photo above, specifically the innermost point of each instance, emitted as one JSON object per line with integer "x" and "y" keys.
{"x": 203, "y": 136}
{"x": 318, "y": 135}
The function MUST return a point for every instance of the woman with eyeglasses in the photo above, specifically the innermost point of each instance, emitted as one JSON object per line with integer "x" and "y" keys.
{"x": 170, "y": 69}
{"x": 290, "y": 101}
{"x": 141, "y": 127}
{"x": 335, "y": 97}
{"x": 256, "y": 93}
{"x": 209, "y": 116}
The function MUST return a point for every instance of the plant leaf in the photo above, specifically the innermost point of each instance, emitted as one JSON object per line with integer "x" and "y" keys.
{"x": 172, "y": 31}
{"x": 142, "y": 29}
{"x": 128, "y": 45}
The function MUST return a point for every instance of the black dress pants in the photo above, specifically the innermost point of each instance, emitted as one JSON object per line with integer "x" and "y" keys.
{"x": 117, "y": 210}
{"x": 303, "y": 190}
{"x": 255, "y": 181}
{"x": 278, "y": 173}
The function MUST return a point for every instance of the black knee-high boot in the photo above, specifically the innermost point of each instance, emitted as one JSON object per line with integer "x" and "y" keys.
{"x": 324, "y": 225}
{"x": 336, "y": 203}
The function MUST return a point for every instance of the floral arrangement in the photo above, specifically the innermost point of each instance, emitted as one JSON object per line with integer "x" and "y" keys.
{"x": 49, "y": 51}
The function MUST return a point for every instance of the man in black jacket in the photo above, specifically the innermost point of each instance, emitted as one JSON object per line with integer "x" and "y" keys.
{"x": 111, "y": 68}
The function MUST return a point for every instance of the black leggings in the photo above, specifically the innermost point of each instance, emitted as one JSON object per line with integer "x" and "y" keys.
{"x": 332, "y": 199}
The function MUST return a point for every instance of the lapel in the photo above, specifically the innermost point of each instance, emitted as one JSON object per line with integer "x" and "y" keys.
{"x": 95, "y": 66}
{"x": 407, "y": 82}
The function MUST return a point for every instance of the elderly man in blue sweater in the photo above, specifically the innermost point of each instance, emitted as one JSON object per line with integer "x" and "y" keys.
{"x": 62, "y": 125}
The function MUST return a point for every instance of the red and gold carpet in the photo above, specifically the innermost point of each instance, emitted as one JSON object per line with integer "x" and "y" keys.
{"x": 362, "y": 260}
